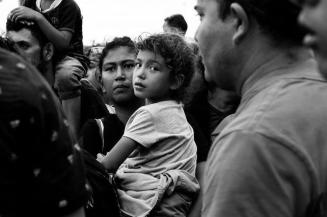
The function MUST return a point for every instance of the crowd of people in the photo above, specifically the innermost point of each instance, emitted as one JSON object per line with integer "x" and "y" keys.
{"x": 229, "y": 124}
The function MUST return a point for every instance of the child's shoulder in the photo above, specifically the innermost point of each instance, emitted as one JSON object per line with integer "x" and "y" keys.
{"x": 161, "y": 108}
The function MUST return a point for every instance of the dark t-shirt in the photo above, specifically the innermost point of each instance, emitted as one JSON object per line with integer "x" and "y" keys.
{"x": 204, "y": 118}
{"x": 66, "y": 16}
{"x": 91, "y": 139}
{"x": 92, "y": 103}
{"x": 42, "y": 173}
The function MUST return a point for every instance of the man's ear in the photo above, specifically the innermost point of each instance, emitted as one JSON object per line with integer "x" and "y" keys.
{"x": 177, "y": 82}
{"x": 48, "y": 51}
{"x": 241, "y": 24}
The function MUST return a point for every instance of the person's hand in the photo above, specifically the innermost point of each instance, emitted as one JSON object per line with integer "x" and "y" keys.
{"x": 100, "y": 157}
{"x": 23, "y": 12}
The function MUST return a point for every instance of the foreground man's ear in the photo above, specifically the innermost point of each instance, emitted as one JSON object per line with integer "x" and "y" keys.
{"x": 242, "y": 23}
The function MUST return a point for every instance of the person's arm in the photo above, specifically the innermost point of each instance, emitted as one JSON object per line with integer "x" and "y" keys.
{"x": 118, "y": 154}
{"x": 195, "y": 210}
{"x": 60, "y": 39}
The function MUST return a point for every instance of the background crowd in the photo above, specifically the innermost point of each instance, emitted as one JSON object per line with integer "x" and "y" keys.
{"x": 231, "y": 123}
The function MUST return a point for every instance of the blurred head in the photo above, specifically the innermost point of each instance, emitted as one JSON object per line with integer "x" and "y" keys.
{"x": 7, "y": 44}
{"x": 313, "y": 17}
{"x": 165, "y": 65}
{"x": 226, "y": 32}
{"x": 175, "y": 24}
{"x": 116, "y": 64}
{"x": 94, "y": 54}
{"x": 30, "y": 42}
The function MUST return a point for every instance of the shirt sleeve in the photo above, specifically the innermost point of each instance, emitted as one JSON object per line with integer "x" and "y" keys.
{"x": 69, "y": 14}
{"x": 141, "y": 128}
{"x": 250, "y": 175}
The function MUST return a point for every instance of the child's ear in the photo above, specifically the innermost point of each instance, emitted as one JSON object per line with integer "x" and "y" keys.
{"x": 177, "y": 82}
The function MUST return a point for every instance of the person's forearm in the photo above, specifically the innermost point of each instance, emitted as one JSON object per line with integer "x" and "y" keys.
{"x": 59, "y": 39}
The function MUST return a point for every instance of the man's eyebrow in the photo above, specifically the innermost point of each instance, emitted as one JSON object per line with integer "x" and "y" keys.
{"x": 196, "y": 7}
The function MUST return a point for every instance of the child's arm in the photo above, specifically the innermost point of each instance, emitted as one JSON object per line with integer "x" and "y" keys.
{"x": 118, "y": 154}
{"x": 60, "y": 39}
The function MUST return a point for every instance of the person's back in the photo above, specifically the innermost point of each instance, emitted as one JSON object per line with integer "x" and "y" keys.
{"x": 42, "y": 172}
{"x": 279, "y": 121}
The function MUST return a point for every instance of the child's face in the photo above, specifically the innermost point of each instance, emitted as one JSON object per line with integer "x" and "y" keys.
{"x": 151, "y": 78}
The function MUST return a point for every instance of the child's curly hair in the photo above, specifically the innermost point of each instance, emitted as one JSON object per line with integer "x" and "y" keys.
{"x": 178, "y": 56}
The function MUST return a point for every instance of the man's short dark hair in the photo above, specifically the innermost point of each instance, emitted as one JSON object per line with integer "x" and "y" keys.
{"x": 117, "y": 42}
{"x": 177, "y": 54}
{"x": 276, "y": 18}
{"x": 177, "y": 21}
{"x": 29, "y": 25}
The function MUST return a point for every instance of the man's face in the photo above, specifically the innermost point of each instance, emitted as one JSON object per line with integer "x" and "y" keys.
{"x": 27, "y": 45}
{"x": 314, "y": 16}
{"x": 214, "y": 36}
{"x": 117, "y": 75}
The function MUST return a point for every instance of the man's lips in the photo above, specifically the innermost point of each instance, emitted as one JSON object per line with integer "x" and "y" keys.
{"x": 310, "y": 40}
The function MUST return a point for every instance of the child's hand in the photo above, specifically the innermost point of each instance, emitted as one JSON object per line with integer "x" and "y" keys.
{"x": 23, "y": 13}
{"x": 100, "y": 157}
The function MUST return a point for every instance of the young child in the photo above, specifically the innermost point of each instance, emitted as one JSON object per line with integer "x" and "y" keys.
{"x": 61, "y": 22}
{"x": 156, "y": 157}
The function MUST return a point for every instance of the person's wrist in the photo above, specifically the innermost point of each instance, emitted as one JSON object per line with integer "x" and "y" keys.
{"x": 38, "y": 17}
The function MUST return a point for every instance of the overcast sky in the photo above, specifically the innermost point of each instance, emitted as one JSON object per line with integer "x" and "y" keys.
{"x": 105, "y": 19}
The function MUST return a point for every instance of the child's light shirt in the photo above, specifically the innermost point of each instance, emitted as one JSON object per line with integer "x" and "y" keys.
{"x": 164, "y": 162}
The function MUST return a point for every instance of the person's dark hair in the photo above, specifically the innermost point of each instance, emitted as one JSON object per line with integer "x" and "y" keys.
{"x": 178, "y": 56}
{"x": 7, "y": 45}
{"x": 29, "y": 25}
{"x": 276, "y": 18}
{"x": 117, "y": 42}
{"x": 177, "y": 21}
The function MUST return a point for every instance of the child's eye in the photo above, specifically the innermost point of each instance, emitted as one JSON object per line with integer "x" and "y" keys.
{"x": 153, "y": 68}
{"x": 137, "y": 65}
{"x": 109, "y": 69}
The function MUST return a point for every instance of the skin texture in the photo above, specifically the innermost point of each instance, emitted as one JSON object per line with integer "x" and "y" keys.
{"x": 214, "y": 37}
{"x": 313, "y": 16}
{"x": 27, "y": 45}
{"x": 60, "y": 39}
{"x": 117, "y": 74}
{"x": 151, "y": 78}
